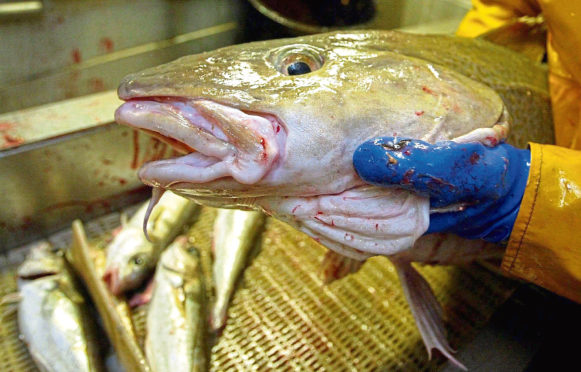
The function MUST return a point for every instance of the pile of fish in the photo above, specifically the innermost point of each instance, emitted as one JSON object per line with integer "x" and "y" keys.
{"x": 54, "y": 316}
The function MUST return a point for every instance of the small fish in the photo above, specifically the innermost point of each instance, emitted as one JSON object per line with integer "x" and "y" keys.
{"x": 52, "y": 315}
{"x": 131, "y": 256}
{"x": 176, "y": 317}
{"x": 234, "y": 234}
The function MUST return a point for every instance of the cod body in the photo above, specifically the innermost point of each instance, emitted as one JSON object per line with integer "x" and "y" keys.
{"x": 273, "y": 126}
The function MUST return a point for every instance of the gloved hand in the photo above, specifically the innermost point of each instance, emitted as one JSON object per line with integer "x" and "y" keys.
{"x": 481, "y": 186}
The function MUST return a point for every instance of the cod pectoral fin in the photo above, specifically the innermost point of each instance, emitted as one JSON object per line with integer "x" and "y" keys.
{"x": 335, "y": 266}
{"x": 426, "y": 310}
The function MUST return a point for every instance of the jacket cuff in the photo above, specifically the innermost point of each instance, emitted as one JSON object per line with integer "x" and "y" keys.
{"x": 544, "y": 244}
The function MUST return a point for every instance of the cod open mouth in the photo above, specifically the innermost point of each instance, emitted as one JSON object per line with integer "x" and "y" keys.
{"x": 218, "y": 140}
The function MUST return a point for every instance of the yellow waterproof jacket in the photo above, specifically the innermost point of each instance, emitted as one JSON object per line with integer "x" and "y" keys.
{"x": 545, "y": 244}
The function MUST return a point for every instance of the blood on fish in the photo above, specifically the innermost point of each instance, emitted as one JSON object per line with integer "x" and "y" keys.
{"x": 295, "y": 208}
{"x": 407, "y": 152}
{"x": 419, "y": 113}
{"x": 263, "y": 155}
{"x": 376, "y": 226}
{"x": 277, "y": 128}
{"x": 428, "y": 90}
{"x": 493, "y": 141}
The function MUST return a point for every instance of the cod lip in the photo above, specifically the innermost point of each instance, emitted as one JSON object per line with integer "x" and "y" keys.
{"x": 217, "y": 140}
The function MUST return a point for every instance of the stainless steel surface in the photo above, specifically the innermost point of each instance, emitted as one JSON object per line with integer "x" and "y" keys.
{"x": 83, "y": 174}
{"x": 19, "y": 8}
{"x": 74, "y": 48}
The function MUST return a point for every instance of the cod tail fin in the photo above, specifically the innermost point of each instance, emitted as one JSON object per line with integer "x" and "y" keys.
{"x": 426, "y": 310}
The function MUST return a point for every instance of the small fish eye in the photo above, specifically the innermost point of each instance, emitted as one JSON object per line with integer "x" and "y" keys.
{"x": 138, "y": 260}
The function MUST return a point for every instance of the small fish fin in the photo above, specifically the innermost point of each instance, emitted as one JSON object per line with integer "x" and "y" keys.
{"x": 124, "y": 219}
{"x": 336, "y": 266}
{"x": 156, "y": 195}
{"x": 10, "y": 298}
{"x": 71, "y": 292}
{"x": 426, "y": 310}
{"x": 9, "y": 304}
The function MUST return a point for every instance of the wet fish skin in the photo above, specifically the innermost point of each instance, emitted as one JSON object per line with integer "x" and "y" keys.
{"x": 131, "y": 257}
{"x": 53, "y": 317}
{"x": 176, "y": 318}
{"x": 234, "y": 235}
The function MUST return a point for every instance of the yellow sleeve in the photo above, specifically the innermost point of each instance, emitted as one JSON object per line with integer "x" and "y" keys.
{"x": 487, "y": 15}
{"x": 545, "y": 245}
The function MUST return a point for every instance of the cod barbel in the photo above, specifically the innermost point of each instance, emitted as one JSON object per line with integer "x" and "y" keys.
{"x": 273, "y": 126}
{"x": 176, "y": 317}
{"x": 131, "y": 256}
{"x": 53, "y": 317}
{"x": 234, "y": 233}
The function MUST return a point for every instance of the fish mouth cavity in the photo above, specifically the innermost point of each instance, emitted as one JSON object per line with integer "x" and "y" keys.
{"x": 217, "y": 140}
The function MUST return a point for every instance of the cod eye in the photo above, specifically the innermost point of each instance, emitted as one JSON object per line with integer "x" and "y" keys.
{"x": 298, "y": 68}
{"x": 297, "y": 59}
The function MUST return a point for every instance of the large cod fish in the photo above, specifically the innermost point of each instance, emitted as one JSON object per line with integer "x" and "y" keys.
{"x": 273, "y": 126}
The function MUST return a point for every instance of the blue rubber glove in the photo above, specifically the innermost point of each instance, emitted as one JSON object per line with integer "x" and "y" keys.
{"x": 487, "y": 183}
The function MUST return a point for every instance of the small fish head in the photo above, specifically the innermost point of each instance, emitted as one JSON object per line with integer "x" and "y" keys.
{"x": 130, "y": 260}
{"x": 181, "y": 257}
{"x": 41, "y": 261}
